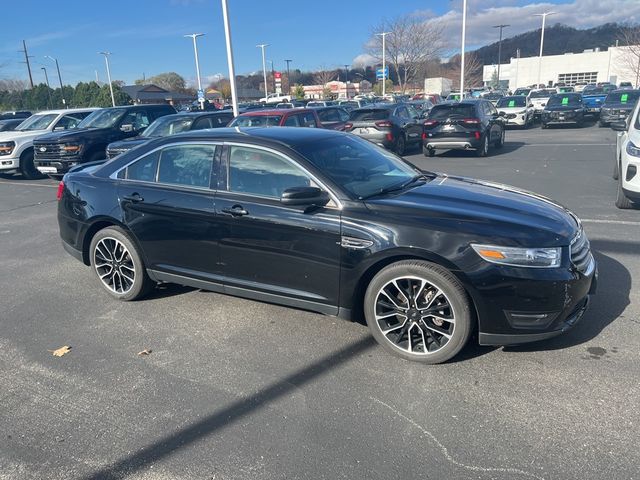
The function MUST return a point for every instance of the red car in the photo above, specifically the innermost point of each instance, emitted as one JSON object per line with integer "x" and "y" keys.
{"x": 293, "y": 117}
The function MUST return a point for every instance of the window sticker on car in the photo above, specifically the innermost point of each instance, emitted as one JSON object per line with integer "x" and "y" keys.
{"x": 512, "y": 103}
{"x": 624, "y": 98}
{"x": 565, "y": 100}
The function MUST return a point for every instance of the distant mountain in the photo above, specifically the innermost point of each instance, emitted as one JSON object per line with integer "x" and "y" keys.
{"x": 558, "y": 39}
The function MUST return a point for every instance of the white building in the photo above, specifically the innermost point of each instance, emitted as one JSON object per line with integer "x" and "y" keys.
{"x": 592, "y": 66}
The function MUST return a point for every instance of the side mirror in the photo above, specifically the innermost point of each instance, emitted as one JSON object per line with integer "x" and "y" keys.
{"x": 126, "y": 128}
{"x": 619, "y": 126}
{"x": 305, "y": 196}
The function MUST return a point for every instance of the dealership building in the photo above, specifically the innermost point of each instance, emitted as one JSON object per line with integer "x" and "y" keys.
{"x": 614, "y": 65}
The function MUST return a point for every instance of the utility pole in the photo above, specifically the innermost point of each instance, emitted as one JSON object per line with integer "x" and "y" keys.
{"x": 26, "y": 60}
{"x": 384, "y": 68}
{"x": 194, "y": 36}
{"x": 544, "y": 19}
{"x": 46, "y": 78}
{"x": 464, "y": 33}
{"x": 273, "y": 76}
{"x": 232, "y": 74}
{"x": 264, "y": 68}
{"x": 64, "y": 102}
{"x": 106, "y": 60}
{"x": 500, "y": 48}
{"x": 346, "y": 80}
{"x": 288, "y": 74}
{"x": 517, "y": 67}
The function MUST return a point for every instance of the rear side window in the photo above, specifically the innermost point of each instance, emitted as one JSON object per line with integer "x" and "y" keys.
{"x": 307, "y": 120}
{"x": 329, "y": 115}
{"x": 443, "y": 112}
{"x": 220, "y": 120}
{"x": 68, "y": 121}
{"x": 143, "y": 170}
{"x": 369, "y": 114}
{"x": 140, "y": 119}
{"x": 292, "y": 121}
{"x": 188, "y": 165}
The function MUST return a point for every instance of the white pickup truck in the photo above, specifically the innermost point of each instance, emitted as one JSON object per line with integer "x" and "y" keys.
{"x": 16, "y": 147}
{"x": 276, "y": 98}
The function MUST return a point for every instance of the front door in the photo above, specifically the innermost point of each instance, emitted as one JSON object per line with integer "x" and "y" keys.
{"x": 279, "y": 250}
{"x": 168, "y": 205}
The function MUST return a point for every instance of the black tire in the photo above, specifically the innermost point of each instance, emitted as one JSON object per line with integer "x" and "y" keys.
{"x": 622, "y": 202}
{"x": 616, "y": 170}
{"x": 401, "y": 145}
{"x": 450, "y": 293}
{"x": 544, "y": 125}
{"x": 28, "y": 167}
{"x": 601, "y": 124}
{"x": 141, "y": 284}
{"x": 483, "y": 150}
{"x": 500, "y": 141}
{"x": 428, "y": 152}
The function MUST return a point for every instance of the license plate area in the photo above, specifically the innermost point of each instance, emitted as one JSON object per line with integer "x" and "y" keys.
{"x": 47, "y": 169}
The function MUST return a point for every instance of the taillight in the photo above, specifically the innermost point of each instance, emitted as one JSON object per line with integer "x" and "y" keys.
{"x": 348, "y": 126}
{"x": 384, "y": 123}
{"x": 477, "y": 135}
{"x": 471, "y": 121}
{"x": 389, "y": 137}
{"x": 60, "y": 190}
{"x": 430, "y": 123}
{"x": 424, "y": 136}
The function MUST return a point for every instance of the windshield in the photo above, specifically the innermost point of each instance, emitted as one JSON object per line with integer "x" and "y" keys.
{"x": 460, "y": 110}
{"x": 364, "y": 115}
{"x": 492, "y": 96}
{"x": 506, "y": 102}
{"x": 557, "y": 100}
{"x": 358, "y": 166}
{"x": 37, "y": 122}
{"x": 593, "y": 90}
{"x": 168, "y": 126}
{"x": 540, "y": 94}
{"x": 522, "y": 91}
{"x": 105, "y": 118}
{"x": 256, "y": 121}
{"x": 629, "y": 97}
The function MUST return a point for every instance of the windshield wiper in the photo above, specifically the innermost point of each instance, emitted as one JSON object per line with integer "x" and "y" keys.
{"x": 400, "y": 186}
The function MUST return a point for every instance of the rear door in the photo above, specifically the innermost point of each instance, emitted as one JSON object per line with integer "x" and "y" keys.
{"x": 168, "y": 204}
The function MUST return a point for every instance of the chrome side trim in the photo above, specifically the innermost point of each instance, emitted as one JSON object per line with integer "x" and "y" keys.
{"x": 355, "y": 243}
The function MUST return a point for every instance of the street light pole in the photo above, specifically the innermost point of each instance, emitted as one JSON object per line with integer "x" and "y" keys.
{"x": 106, "y": 60}
{"x": 264, "y": 68}
{"x": 464, "y": 33}
{"x": 46, "y": 78}
{"x": 501, "y": 26}
{"x": 194, "y": 36}
{"x": 64, "y": 102}
{"x": 232, "y": 73}
{"x": 288, "y": 74}
{"x": 384, "y": 50}
{"x": 346, "y": 80}
{"x": 544, "y": 19}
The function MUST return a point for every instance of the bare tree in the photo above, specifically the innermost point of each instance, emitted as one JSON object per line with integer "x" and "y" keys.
{"x": 322, "y": 77}
{"x": 12, "y": 85}
{"x": 410, "y": 45}
{"x": 630, "y": 39}
{"x": 472, "y": 71}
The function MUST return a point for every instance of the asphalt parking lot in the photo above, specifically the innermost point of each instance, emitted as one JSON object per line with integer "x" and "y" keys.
{"x": 235, "y": 389}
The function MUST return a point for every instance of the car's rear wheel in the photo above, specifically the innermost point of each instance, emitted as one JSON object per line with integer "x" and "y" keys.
{"x": 418, "y": 311}
{"x": 483, "y": 150}
{"x": 616, "y": 170}
{"x": 428, "y": 152}
{"x": 500, "y": 141}
{"x": 118, "y": 264}
{"x": 28, "y": 167}
{"x": 401, "y": 145}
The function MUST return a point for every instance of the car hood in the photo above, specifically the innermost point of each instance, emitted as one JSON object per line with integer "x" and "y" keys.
{"x": 128, "y": 143}
{"x": 562, "y": 108}
{"x": 511, "y": 109}
{"x": 619, "y": 106}
{"x": 492, "y": 212}
{"x": 73, "y": 135}
{"x": 16, "y": 135}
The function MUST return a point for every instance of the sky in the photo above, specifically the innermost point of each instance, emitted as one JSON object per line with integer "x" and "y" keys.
{"x": 146, "y": 36}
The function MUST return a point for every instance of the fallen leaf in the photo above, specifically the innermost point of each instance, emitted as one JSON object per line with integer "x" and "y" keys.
{"x": 146, "y": 351}
{"x": 60, "y": 351}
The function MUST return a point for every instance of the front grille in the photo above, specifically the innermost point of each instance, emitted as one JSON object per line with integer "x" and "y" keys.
{"x": 50, "y": 151}
{"x": 114, "y": 152}
{"x": 511, "y": 115}
{"x": 581, "y": 256}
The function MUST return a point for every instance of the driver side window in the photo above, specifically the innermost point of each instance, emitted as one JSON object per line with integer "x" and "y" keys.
{"x": 139, "y": 119}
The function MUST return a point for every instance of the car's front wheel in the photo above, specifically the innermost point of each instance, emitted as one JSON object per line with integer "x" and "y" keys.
{"x": 622, "y": 202}
{"x": 116, "y": 261}
{"x": 616, "y": 170}
{"x": 418, "y": 311}
{"x": 28, "y": 167}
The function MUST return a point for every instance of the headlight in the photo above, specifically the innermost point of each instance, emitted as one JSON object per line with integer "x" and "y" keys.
{"x": 7, "y": 147}
{"x": 520, "y": 257}
{"x": 71, "y": 148}
{"x": 633, "y": 150}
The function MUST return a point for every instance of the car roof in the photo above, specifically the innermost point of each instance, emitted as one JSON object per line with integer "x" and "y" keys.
{"x": 67, "y": 110}
{"x": 273, "y": 111}
{"x": 567, "y": 94}
{"x": 197, "y": 114}
{"x": 625, "y": 90}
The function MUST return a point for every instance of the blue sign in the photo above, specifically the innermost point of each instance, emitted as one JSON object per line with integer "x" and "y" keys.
{"x": 201, "y": 95}
{"x": 380, "y": 74}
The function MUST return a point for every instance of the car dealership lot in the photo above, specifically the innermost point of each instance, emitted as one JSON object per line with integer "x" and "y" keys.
{"x": 238, "y": 389}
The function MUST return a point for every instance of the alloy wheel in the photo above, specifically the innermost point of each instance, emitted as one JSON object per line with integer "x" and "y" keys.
{"x": 114, "y": 265}
{"x": 414, "y": 315}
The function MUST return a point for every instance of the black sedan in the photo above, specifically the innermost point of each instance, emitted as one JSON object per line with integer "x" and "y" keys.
{"x": 170, "y": 125}
{"x": 394, "y": 126}
{"x": 326, "y": 221}
{"x": 562, "y": 109}
{"x": 617, "y": 106}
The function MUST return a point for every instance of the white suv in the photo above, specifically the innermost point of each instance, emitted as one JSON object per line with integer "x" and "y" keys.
{"x": 539, "y": 99}
{"x": 16, "y": 147}
{"x": 627, "y": 167}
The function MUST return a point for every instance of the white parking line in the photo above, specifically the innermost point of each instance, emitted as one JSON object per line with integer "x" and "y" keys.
{"x": 610, "y": 222}
{"x": 566, "y": 144}
{"x": 29, "y": 184}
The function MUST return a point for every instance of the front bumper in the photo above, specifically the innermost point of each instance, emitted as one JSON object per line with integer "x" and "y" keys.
{"x": 9, "y": 164}
{"x": 607, "y": 117}
{"x": 519, "y": 120}
{"x": 55, "y": 167}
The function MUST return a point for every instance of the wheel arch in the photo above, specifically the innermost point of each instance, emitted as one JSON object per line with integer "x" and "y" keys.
{"x": 398, "y": 255}
{"x": 24, "y": 151}
{"x": 97, "y": 225}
